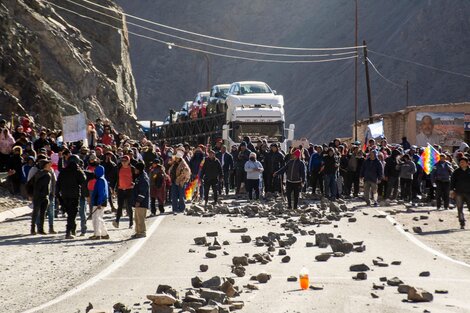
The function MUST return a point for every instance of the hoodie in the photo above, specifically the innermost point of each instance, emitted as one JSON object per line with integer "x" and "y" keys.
{"x": 142, "y": 190}
{"x": 99, "y": 195}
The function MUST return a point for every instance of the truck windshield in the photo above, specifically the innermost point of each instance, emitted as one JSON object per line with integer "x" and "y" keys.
{"x": 272, "y": 132}
{"x": 254, "y": 88}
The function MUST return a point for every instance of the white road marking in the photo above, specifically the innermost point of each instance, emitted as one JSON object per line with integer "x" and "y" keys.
{"x": 107, "y": 271}
{"x": 419, "y": 243}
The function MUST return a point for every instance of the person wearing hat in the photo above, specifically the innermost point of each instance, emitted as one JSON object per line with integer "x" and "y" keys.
{"x": 41, "y": 183}
{"x": 372, "y": 173}
{"x": 125, "y": 186}
{"x": 273, "y": 162}
{"x": 211, "y": 174}
{"x": 253, "y": 169}
{"x": 69, "y": 189}
{"x": 180, "y": 174}
{"x": 440, "y": 176}
{"x": 295, "y": 176}
{"x": 141, "y": 200}
{"x": 99, "y": 198}
{"x": 158, "y": 181}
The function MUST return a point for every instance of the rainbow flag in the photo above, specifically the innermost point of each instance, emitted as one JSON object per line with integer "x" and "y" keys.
{"x": 428, "y": 159}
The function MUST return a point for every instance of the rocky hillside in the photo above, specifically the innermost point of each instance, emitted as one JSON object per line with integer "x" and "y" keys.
{"x": 319, "y": 97}
{"x": 54, "y": 63}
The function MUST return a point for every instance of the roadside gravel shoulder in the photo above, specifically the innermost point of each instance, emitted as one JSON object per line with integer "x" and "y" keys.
{"x": 440, "y": 230}
{"x": 50, "y": 265}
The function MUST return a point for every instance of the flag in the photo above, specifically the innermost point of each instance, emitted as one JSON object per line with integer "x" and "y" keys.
{"x": 428, "y": 159}
{"x": 191, "y": 188}
{"x": 366, "y": 141}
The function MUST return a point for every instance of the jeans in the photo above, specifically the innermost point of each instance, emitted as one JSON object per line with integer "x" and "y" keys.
{"x": 442, "y": 193}
{"x": 252, "y": 184}
{"x": 51, "y": 211}
{"x": 370, "y": 191}
{"x": 208, "y": 184}
{"x": 177, "y": 198}
{"x": 224, "y": 183}
{"x": 71, "y": 207}
{"x": 83, "y": 216}
{"x": 295, "y": 188}
{"x": 316, "y": 179}
{"x": 240, "y": 177}
{"x": 330, "y": 185}
{"x": 39, "y": 213}
{"x": 392, "y": 188}
{"x": 125, "y": 197}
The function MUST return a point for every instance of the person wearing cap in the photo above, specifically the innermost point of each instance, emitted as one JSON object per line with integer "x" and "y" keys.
{"x": 99, "y": 199}
{"x": 226, "y": 161}
{"x": 211, "y": 174}
{"x": 70, "y": 185}
{"x": 372, "y": 173}
{"x": 158, "y": 182}
{"x": 141, "y": 200}
{"x": 125, "y": 186}
{"x": 460, "y": 188}
{"x": 440, "y": 176}
{"x": 41, "y": 183}
{"x": 253, "y": 169}
{"x": 295, "y": 176}
{"x": 180, "y": 174}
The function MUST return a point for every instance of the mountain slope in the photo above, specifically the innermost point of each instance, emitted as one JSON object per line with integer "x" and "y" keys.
{"x": 319, "y": 97}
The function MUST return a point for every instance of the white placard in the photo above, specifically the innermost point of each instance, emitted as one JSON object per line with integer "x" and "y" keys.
{"x": 74, "y": 127}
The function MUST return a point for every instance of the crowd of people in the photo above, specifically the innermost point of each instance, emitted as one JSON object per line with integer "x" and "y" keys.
{"x": 83, "y": 178}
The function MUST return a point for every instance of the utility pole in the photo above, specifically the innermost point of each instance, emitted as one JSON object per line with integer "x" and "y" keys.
{"x": 355, "y": 75}
{"x": 369, "y": 99}
{"x": 407, "y": 93}
{"x": 208, "y": 74}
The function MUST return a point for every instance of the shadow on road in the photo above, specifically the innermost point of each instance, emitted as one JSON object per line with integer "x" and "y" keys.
{"x": 25, "y": 240}
{"x": 442, "y": 232}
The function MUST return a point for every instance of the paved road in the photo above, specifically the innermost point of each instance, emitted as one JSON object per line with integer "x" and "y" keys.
{"x": 164, "y": 259}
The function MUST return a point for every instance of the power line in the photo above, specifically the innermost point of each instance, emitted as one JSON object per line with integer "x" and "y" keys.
{"x": 220, "y": 39}
{"x": 420, "y": 64}
{"x": 171, "y": 45}
{"x": 212, "y": 45}
{"x": 380, "y": 74}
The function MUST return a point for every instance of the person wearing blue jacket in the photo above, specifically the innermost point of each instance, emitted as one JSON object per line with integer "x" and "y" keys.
{"x": 99, "y": 198}
{"x": 141, "y": 200}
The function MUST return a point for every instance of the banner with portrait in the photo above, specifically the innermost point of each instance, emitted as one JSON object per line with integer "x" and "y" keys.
{"x": 442, "y": 128}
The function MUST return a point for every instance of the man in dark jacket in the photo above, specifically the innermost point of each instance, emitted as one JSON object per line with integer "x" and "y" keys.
{"x": 460, "y": 188}
{"x": 111, "y": 175}
{"x": 440, "y": 176}
{"x": 295, "y": 177}
{"x": 330, "y": 171}
{"x": 372, "y": 172}
{"x": 42, "y": 188}
{"x": 273, "y": 162}
{"x": 243, "y": 156}
{"x": 391, "y": 175}
{"x": 211, "y": 173}
{"x": 141, "y": 200}
{"x": 69, "y": 187}
{"x": 226, "y": 161}
{"x": 315, "y": 168}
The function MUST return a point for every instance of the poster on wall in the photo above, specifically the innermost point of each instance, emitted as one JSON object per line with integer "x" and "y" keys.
{"x": 441, "y": 128}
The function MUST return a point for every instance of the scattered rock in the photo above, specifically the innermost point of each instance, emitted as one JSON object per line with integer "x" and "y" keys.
{"x": 282, "y": 252}
{"x": 227, "y": 287}
{"x": 395, "y": 282}
{"x": 246, "y": 239}
{"x": 119, "y": 307}
{"x": 316, "y": 287}
{"x": 396, "y": 263}
{"x": 240, "y": 260}
{"x": 323, "y": 257}
{"x": 359, "y": 268}
{"x": 309, "y": 244}
{"x": 338, "y": 254}
{"x": 200, "y": 241}
{"x": 213, "y": 282}
{"x": 321, "y": 239}
{"x": 378, "y": 287}
{"x": 417, "y": 229}
{"x": 215, "y": 295}
{"x": 419, "y": 295}
{"x": 196, "y": 282}
{"x": 212, "y": 234}
{"x": 211, "y": 255}
{"x": 383, "y": 279}
{"x": 441, "y": 291}
{"x": 239, "y": 271}
{"x": 156, "y": 308}
{"x": 340, "y": 245}
{"x": 374, "y": 295}
{"x": 208, "y": 309}
{"x": 203, "y": 267}
{"x": 403, "y": 288}
{"x": 424, "y": 274}
{"x": 286, "y": 259}
{"x": 263, "y": 278}
{"x": 162, "y": 299}
{"x": 292, "y": 278}
{"x": 238, "y": 230}
{"x": 352, "y": 220}
{"x": 252, "y": 287}
{"x": 168, "y": 290}
{"x": 360, "y": 276}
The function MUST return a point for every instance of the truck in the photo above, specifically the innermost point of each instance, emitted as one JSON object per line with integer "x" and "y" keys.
{"x": 251, "y": 109}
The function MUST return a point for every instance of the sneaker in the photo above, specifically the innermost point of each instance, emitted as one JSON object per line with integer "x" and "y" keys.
{"x": 116, "y": 224}
{"x": 69, "y": 237}
{"x": 105, "y": 237}
{"x": 94, "y": 237}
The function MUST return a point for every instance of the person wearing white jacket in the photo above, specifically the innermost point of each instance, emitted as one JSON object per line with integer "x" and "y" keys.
{"x": 253, "y": 169}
